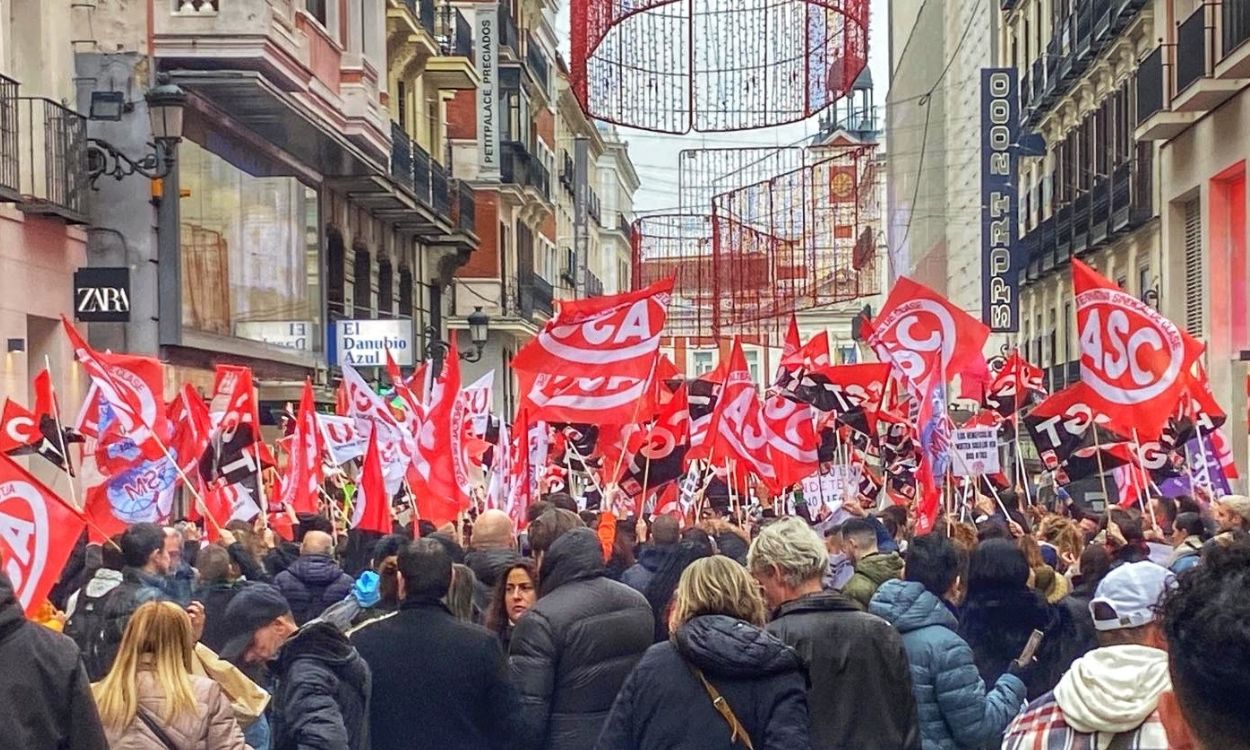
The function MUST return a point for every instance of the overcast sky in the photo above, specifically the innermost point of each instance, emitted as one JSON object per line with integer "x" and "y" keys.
{"x": 655, "y": 155}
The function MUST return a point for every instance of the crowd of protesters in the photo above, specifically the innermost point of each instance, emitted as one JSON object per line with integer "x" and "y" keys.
{"x": 1015, "y": 624}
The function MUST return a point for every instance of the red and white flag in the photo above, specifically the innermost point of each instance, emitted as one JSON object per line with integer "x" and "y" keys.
{"x": 19, "y": 428}
{"x": 303, "y": 472}
{"x": 132, "y": 386}
{"x": 235, "y": 415}
{"x": 372, "y": 511}
{"x": 373, "y": 415}
{"x": 227, "y": 502}
{"x": 38, "y": 531}
{"x": 737, "y": 429}
{"x": 192, "y": 428}
{"x": 439, "y": 497}
{"x": 1134, "y": 361}
{"x": 342, "y": 440}
{"x": 601, "y": 337}
{"x": 792, "y": 440}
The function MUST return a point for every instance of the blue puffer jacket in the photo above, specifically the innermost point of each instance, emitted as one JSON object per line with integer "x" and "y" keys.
{"x": 951, "y": 701}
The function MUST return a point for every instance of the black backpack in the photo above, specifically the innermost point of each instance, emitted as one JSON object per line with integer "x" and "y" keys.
{"x": 91, "y": 627}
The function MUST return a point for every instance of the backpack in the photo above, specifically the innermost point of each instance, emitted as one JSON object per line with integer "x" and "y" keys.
{"x": 92, "y": 625}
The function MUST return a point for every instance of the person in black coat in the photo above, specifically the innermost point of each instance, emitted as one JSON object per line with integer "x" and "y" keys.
{"x": 314, "y": 581}
{"x": 1000, "y": 612}
{"x": 45, "y": 698}
{"x": 861, "y": 690}
{"x": 718, "y": 636}
{"x": 444, "y": 678}
{"x": 320, "y": 685}
{"x": 572, "y": 651}
{"x": 219, "y": 582}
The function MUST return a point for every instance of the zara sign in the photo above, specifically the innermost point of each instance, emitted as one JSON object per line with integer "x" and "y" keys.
{"x": 102, "y": 295}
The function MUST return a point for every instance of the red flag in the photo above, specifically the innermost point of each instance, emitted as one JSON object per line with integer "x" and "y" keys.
{"x": 396, "y": 442}
{"x": 792, "y": 343}
{"x": 975, "y": 379}
{"x": 38, "y": 532}
{"x": 602, "y": 337}
{"x": 813, "y": 354}
{"x": 737, "y": 430}
{"x": 45, "y": 396}
{"x": 519, "y": 482}
{"x": 234, "y": 411}
{"x": 926, "y": 338}
{"x": 132, "y": 386}
{"x": 792, "y": 440}
{"x": 18, "y": 428}
{"x": 587, "y": 400}
{"x": 373, "y": 503}
{"x": 303, "y": 472}
{"x": 1133, "y": 360}
{"x": 438, "y": 495}
{"x": 228, "y": 502}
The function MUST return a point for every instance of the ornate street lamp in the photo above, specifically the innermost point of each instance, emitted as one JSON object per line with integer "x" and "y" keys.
{"x": 479, "y": 330}
{"x": 165, "y": 111}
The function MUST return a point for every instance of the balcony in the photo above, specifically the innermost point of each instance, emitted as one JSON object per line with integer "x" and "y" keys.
{"x": 1234, "y": 33}
{"x": 1080, "y": 224}
{"x": 10, "y": 151}
{"x": 509, "y": 38}
{"x": 518, "y": 167}
{"x": 1100, "y": 211}
{"x": 535, "y": 295}
{"x": 51, "y": 146}
{"x": 566, "y": 172}
{"x": 440, "y": 190}
{"x": 537, "y": 65}
{"x": 594, "y": 285}
{"x": 464, "y": 207}
{"x": 410, "y": 29}
{"x": 277, "y": 70}
{"x": 1155, "y": 120}
{"x": 593, "y": 207}
{"x": 1063, "y": 238}
{"x": 454, "y": 68}
{"x": 1060, "y": 376}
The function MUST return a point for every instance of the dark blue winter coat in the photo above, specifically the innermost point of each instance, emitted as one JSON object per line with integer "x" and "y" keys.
{"x": 311, "y": 584}
{"x": 663, "y": 705}
{"x": 954, "y": 709}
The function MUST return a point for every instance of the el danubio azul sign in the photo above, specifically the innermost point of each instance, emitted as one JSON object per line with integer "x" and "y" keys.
{"x": 364, "y": 343}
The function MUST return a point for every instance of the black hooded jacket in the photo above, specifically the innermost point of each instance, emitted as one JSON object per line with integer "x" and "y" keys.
{"x": 663, "y": 704}
{"x": 320, "y": 693}
{"x": 997, "y": 623}
{"x": 860, "y": 695}
{"x": 486, "y": 565}
{"x": 571, "y": 652}
{"x": 312, "y": 583}
{"x": 45, "y": 699}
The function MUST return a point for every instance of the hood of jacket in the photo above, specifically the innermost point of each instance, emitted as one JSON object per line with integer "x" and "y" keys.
{"x": 652, "y": 557}
{"x": 316, "y": 570}
{"x": 723, "y": 646}
{"x": 822, "y": 601}
{"x": 102, "y": 582}
{"x": 575, "y": 556}
{"x": 1113, "y": 689}
{"x": 1007, "y": 608}
{"x": 487, "y": 564}
{"x": 908, "y": 606}
{"x": 11, "y": 614}
{"x": 880, "y": 567}
{"x": 320, "y": 641}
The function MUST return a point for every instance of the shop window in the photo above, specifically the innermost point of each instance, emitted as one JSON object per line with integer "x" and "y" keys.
{"x": 250, "y": 246}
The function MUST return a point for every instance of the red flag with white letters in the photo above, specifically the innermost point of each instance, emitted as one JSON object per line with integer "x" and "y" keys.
{"x": 373, "y": 503}
{"x": 1134, "y": 361}
{"x": 616, "y": 336}
{"x": 19, "y": 428}
{"x": 38, "y": 532}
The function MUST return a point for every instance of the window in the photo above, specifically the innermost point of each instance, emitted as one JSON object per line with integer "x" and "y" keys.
{"x": 1068, "y": 354}
{"x": 318, "y": 10}
{"x": 405, "y": 292}
{"x": 362, "y": 291}
{"x": 703, "y": 362}
{"x": 250, "y": 243}
{"x": 1193, "y": 267}
{"x": 386, "y": 289}
{"x": 848, "y": 354}
{"x": 753, "y": 363}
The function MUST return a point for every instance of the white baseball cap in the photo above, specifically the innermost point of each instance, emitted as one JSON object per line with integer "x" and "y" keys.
{"x": 1132, "y": 591}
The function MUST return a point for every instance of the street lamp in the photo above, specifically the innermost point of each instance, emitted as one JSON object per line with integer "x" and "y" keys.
{"x": 479, "y": 329}
{"x": 165, "y": 109}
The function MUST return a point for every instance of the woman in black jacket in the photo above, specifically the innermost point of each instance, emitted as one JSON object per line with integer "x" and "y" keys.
{"x": 999, "y": 613}
{"x": 515, "y": 592}
{"x": 718, "y": 649}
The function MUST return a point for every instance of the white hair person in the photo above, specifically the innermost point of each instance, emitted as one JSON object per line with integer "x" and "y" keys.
{"x": 791, "y": 550}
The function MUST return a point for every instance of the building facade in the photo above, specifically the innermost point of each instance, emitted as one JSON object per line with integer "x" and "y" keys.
{"x": 313, "y": 183}
{"x": 43, "y": 204}
{"x": 1193, "y": 104}
{"x": 1093, "y": 194}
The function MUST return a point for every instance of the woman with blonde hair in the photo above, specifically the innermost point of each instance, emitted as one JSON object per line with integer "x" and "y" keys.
{"x": 720, "y": 682}
{"x": 150, "y": 700}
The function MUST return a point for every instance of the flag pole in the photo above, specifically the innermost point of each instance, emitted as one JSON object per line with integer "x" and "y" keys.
{"x": 1202, "y": 448}
{"x": 1102, "y": 477}
{"x": 60, "y": 436}
{"x": 1141, "y": 492}
{"x": 620, "y": 460}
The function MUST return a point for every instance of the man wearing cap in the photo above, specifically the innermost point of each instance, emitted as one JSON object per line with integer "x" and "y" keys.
{"x": 1110, "y": 695}
{"x": 320, "y": 684}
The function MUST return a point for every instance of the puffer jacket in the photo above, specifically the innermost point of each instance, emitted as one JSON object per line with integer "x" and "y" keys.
{"x": 639, "y": 575}
{"x": 45, "y": 699}
{"x": 952, "y": 704}
{"x": 572, "y": 651}
{"x": 870, "y": 572}
{"x": 860, "y": 695}
{"x": 663, "y": 704}
{"x": 486, "y": 565}
{"x": 312, "y": 583}
{"x": 320, "y": 692}
{"x": 211, "y": 727}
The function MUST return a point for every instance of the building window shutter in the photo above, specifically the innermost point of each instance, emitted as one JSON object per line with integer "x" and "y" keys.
{"x": 1193, "y": 267}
